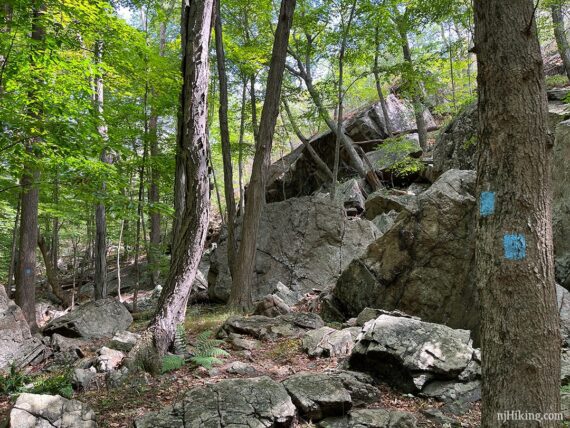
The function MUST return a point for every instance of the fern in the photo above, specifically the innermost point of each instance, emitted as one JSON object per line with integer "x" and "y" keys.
{"x": 180, "y": 344}
{"x": 207, "y": 350}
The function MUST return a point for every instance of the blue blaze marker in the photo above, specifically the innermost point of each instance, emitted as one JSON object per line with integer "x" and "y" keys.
{"x": 487, "y": 204}
{"x": 514, "y": 247}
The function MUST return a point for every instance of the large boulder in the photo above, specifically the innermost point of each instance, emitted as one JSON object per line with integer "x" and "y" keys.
{"x": 369, "y": 123}
{"x": 294, "y": 324}
{"x": 410, "y": 354}
{"x": 320, "y": 395}
{"x": 304, "y": 243}
{"x": 423, "y": 264}
{"x": 17, "y": 345}
{"x": 256, "y": 403}
{"x": 371, "y": 418}
{"x": 296, "y": 174}
{"x": 32, "y": 411}
{"x": 328, "y": 342}
{"x": 97, "y": 319}
{"x": 456, "y": 144}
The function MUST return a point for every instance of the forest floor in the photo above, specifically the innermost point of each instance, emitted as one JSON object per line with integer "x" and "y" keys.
{"x": 142, "y": 393}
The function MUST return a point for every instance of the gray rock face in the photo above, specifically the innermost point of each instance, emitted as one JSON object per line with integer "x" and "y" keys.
{"x": 422, "y": 265}
{"x": 272, "y": 306}
{"x": 16, "y": 342}
{"x": 304, "y": 243}
{"x": 351, "y": 196}
{"x": 391, "y": 152}
{"x": 109, "y": 359}
{"x": 123, "y": 341}
{"x": 371, "y": 418}
{"x": 456, "y": 144}
{"x": 294, "y": 324}
{"x": 369, "y": 123}
{"x": 320, "y": 395}
{"x": 256, "y": 403}
{"x": 328, "y": 342}
{"x": 45, "y": 411}
{"x": 383, "y": 202}
{"x": 82, "y": 378}
{"x": 410, "y": 354}
{"x": 101, "y": 318}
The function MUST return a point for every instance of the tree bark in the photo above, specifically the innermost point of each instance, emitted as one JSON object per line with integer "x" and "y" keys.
{"x": 318, "y": 161}
{"x": 416, "y": 98}
{"x": 560, "y": 36}
{"x": 192, "y": 158}
{"x": 340, "y": 112}
{"x": 26, "y": 270}
{"x": 13, "y": 249}
{"x": 154, "y": 190}
{"x": 240, "y": 146}
{"x": 240, "y": 295}
{"x": 347, "y": 142}
{"x": 383, "y": 104}
{"x": 51, "y": 273}
{"x": 520, "y": 338}
{"x": 100, "y": 211}
{"x": 225, "y": 139}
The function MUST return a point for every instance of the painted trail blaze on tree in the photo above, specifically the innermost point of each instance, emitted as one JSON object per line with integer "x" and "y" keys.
{"x": 487, "y": 204}
{"x": 514, "y": 247}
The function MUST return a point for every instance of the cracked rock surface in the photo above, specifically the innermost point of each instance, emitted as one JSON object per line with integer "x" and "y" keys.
{"x": 97, "y": 319}
{"x": 371, "y": 418}
{"x": 304, "y": 243}
{"x": 256, "y": 403}
{"x": 409, "y": 354}
{"x": 50, "y": 411}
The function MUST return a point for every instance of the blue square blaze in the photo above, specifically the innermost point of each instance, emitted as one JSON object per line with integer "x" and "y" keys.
{"x": 514, "y": 247}
{"x": 487, "y": 204}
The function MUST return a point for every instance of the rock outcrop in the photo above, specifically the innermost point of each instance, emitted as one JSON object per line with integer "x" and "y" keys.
{"x": 256, "y": 403}
{"x": 328, "y": 342}
{"x": 411, "y": 355}
{"x": 294, "y": 324}
{"x": 422, "y": 265}
{"x": 17, "y": 345}
{"x": 96, "y": 319}
{"x": 371, "y": 418}
{"x": 303, "y": 244}
{"x": 32, "y": 410}
{"x": 561, "y": 208}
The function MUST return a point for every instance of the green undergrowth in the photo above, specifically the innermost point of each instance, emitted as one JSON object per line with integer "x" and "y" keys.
{"x": 16, "y": 382}
{"x": 200, "y": 318}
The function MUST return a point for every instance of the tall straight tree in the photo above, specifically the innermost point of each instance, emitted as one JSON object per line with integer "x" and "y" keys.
{"x": 225, "y": 138}
{"x": 192, "y": 185}
{"x": 100, "y": 288}
{"x": 520, "y": 338}
{"x": 26, "y": 268}
{"x": 560, "y": 34}
{"x": 240, "y": 296}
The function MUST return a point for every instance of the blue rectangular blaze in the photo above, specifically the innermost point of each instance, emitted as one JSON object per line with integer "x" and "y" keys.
{"x": 487, "y": 204}
{"x": 514, "y": 247}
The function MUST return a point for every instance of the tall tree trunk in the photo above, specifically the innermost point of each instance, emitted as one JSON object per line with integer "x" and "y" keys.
{"x": 378, "y": 82}
{"x": 154, "y": 190}
{"x": 140, "y": 223}
{"x": 26, "y": 269}
{"x": 54, "y": 253}
{"x": 13, "y": 251}
{"x": 419, "y": 108}
{"x": 240, "y": 296}
{"x": 560, "y": 35}
{"x": 100, "y": 211}
{"x": 225, "y": 139}
{"x": 52, "y": 274}
{"x": 304, "y": 73}
{"x": 192, "y": 166}
{"x": 240, "y": 146}
{"x": 340, "y": 112}
{"x": 448, "y": 42}
{"x": 119, "y": 295}
{"x": 520, "y": 338}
